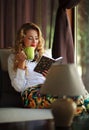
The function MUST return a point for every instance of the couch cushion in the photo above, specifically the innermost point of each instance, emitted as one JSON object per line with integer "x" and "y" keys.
{"x": 4, "y": 53}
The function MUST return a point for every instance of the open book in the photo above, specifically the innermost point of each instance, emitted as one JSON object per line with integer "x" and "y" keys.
{"x": 45, "y": 63}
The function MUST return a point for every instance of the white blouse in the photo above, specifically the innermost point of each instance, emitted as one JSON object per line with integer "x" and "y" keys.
{"x": 22, "y": 79}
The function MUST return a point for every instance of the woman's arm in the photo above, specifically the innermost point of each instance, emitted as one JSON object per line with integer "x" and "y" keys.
{"x": 18, "y": 79}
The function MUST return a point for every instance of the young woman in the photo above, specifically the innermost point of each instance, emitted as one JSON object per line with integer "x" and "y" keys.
{"x": 21, "y": 69}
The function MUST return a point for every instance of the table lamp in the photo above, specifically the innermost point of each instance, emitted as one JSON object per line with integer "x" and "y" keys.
{"x": 63, "y": 81}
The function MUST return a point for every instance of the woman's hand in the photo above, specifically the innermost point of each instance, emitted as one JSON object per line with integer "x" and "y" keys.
{"x": 20, "y": 59}
{"x": 44, "y": 73}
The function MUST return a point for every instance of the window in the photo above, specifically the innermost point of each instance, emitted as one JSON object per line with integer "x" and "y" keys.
{"x": 82, "y": 39}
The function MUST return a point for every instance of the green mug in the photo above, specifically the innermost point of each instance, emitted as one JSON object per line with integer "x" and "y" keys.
{"x": 29, "y": 51}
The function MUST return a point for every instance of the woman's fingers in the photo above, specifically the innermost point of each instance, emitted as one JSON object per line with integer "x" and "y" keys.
{"x": 21, "y": 56}
{"x": 44, "y": 73}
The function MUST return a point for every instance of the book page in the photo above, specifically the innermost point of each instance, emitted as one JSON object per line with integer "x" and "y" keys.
{"x": 58, "y": 60}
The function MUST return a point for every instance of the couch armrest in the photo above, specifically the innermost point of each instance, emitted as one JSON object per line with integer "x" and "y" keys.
{"x": 8, "y": 96}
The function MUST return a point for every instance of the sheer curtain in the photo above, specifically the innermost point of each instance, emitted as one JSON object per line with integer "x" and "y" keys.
{"x": 13, "y": 13}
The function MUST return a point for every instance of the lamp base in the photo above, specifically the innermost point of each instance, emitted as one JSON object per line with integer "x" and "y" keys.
{"x": 63, "y": 111}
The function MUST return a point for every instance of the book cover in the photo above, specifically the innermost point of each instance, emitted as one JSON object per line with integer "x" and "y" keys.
{"x": 45, "y": 63}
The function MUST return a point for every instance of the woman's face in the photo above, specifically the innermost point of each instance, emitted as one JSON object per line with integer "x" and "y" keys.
{"x": 31, "y": 38}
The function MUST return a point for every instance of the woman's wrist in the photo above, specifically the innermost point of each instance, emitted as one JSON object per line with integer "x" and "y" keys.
{"x": 22, "y": 65}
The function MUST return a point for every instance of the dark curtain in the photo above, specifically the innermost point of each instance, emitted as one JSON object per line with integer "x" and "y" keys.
{"x": 13, "y": 13}
{"x": 63, "y": 40}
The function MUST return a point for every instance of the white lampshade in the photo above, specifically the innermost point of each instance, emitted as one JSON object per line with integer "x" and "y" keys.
{"x": 63, "y": 80}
